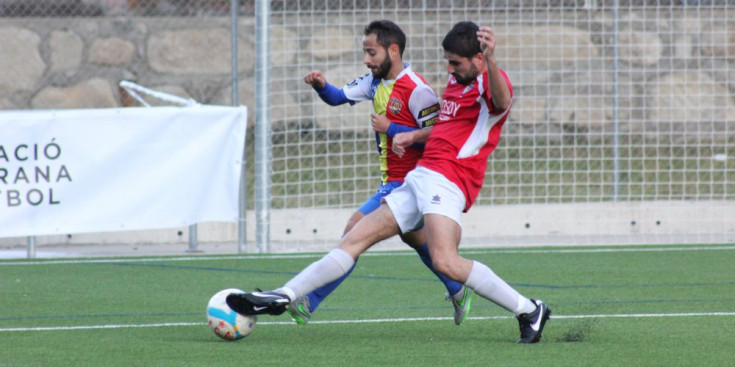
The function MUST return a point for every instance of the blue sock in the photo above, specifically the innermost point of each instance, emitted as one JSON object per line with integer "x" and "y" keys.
{"x": 452, "y": 286}
{"x": 318, "y": 295}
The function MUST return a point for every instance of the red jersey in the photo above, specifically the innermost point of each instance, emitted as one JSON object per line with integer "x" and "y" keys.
{"x": 466, "y": 132}
{"x": 407, "y": 101}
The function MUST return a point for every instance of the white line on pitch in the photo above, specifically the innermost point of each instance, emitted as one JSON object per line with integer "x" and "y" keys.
{"x": 92, "y": 327}
{"x": 378, "y": 254}
{"x": 366, "y": 321}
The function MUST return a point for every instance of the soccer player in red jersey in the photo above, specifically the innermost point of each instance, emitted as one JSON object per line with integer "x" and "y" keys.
{"x": 402, "y": 102}
{"x": 445, "y": 183}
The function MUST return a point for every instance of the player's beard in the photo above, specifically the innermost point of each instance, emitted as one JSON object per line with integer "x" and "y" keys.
{"x": 383, "y": 69}
{"x": 467, "y": 79}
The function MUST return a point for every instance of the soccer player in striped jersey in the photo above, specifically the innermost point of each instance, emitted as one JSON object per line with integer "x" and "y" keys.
{"x": 445, "y": 183}
{"x": 402, "y": 102}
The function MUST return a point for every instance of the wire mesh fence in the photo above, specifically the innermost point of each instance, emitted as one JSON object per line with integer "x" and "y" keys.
{"x": 628, "y": 100}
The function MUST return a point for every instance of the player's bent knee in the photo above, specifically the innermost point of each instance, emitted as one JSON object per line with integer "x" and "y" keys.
{"x": 354, "y": 244}
{"x": 413, "y": 239}
{"x": 447, "y": 266}
{"x": 354, "y": 251}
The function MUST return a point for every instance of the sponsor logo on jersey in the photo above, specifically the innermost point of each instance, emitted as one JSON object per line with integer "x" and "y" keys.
{"x": 429, "y": 110}
{"x": 395, "y": 105}
{"x": 449, "y": 108}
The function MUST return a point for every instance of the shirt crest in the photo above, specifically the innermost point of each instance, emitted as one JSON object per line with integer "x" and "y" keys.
{"x": 395, "y": 105}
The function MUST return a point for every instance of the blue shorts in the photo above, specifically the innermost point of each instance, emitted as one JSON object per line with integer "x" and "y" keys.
{"x": 374, "y": 202}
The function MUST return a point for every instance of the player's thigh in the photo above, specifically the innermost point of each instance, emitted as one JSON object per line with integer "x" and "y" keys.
{"x": 443, "y": 235}
{"x": 403, "y": 205}
{"x": 373, "y": 228}
{"x": 441, "y": 202}
{"x": 372, "y": 203}
{"x": 356, "y": 216}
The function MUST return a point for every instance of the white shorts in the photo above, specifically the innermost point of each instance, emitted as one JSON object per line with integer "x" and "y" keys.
{"x": 425, "y": 192}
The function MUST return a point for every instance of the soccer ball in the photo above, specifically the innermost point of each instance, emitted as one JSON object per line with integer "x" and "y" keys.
{"x": 226, "y": 323}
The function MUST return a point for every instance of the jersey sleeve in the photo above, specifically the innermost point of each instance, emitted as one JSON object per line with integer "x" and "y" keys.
{"x": 424, "y": 105}
{"x": 494, "y": 110}
{"x": 395, "y": 128}
{"x": 332, "y": 96}
{"x": 359, "y": 89}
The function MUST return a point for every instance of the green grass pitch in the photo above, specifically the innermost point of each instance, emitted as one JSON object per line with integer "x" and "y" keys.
{"x": 612, "y": 306}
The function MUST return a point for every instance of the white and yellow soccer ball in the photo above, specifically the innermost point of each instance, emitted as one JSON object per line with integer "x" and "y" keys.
{"x": 226, "y": 323}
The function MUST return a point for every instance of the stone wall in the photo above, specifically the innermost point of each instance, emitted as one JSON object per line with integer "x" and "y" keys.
{"x": 674, "y": 70}
{"x": 674, "y": 78}
{"x": 77, "y": 63}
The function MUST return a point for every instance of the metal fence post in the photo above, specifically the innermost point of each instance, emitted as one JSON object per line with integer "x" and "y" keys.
{"x": 193, "y": 235}
{"x": 234, "y": 81}
{"x": 31, "y": 246}
{"x": 262, "y": 126}
{"x": 616, "y": 101}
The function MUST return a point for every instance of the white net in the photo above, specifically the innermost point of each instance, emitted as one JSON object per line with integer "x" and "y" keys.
{"x": 622, "y": 126}
{"x": 627, "y": 109}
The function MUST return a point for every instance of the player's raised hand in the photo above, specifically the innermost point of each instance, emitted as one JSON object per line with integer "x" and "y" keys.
{"x": 315, "y": 79}
{"x": 486, "y": 36}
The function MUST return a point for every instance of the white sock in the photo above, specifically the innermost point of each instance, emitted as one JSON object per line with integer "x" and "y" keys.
{"x": 490, "y": 286}
{"x": 330, "y": 267}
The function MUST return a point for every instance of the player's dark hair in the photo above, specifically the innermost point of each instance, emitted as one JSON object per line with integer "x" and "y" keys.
{"x": 387, "y": 33}
{"x": 462, "y": 40}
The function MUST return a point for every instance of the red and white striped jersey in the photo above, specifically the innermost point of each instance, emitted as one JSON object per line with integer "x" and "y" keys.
{"x": 407, "y": 100}
{"x": 466, "y": 132}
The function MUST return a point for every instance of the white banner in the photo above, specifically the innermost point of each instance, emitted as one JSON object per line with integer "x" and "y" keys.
{"x": 97, "y": 170}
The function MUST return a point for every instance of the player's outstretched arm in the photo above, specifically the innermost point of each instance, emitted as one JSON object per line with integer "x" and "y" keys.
{"x": 330, "y": 94}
